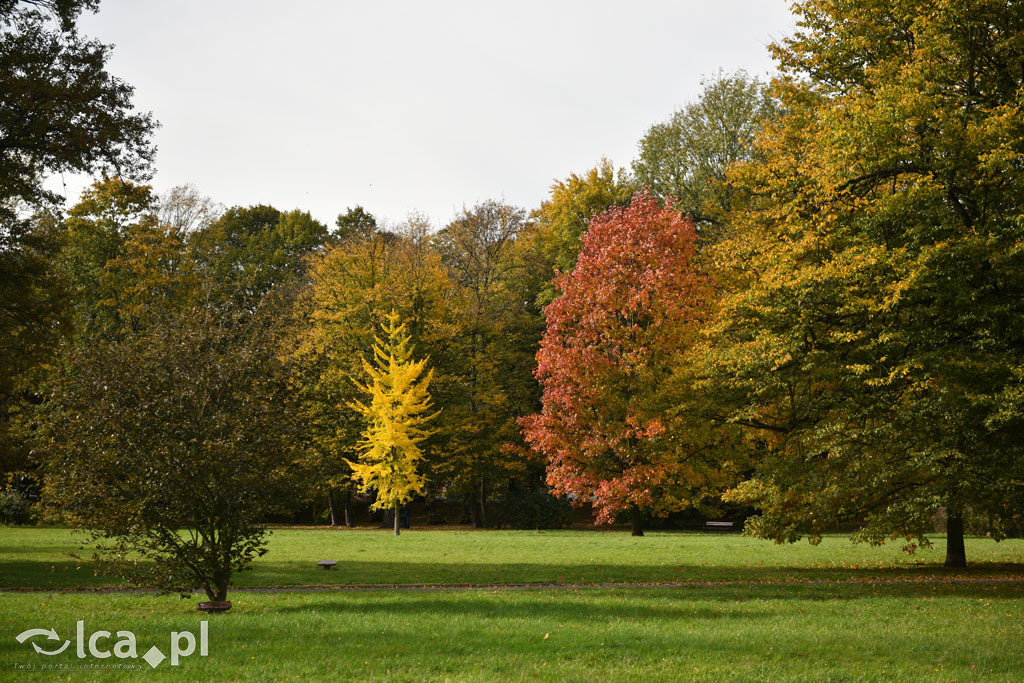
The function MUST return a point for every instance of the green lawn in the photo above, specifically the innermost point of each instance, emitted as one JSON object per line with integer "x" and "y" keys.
{"x": 852, "y": 630}
{"x": 43, "y": 558}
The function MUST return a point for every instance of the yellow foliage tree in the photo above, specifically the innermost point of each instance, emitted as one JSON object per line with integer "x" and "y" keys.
{"x": 396, "y": 416}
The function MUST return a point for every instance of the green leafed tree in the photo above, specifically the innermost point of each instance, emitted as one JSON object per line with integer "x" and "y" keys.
{"x": 485, "y": 382}
{"x": 172, "y": 442}
{"x": 396, "y": 415}
{"x": 33, "y": 320}
{"x": 60, "y": 111}
{"x": 356, "y": 222}
{"x": 870, "y": 335}
{"x": 251, "y": 250}
{"x": 97, "y": 231}
{"x": 687, "y": 156}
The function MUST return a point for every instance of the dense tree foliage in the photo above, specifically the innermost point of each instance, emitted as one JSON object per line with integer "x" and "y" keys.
{"x": 687, "y": 156}
{"x": 171, "y": 440}
{"x": 354, "y": 284}
{"x": 250, "y": 250}
{"x": 551, "y": 243}
{"x": 489, "y": 385}
{"x": 60, "y": 111}
{"x": 606, "y": 362}
{"x": 396, "y": 411}
{"x": 356, "y": 222}
{"x": 168, "y": 426}
{"x": 871, "y": 333}
{"x": 111, "y": 219}
{"x": 33, "y": 320}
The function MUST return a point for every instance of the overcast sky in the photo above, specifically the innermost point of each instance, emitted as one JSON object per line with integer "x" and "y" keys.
{"x": 402, "y": 106}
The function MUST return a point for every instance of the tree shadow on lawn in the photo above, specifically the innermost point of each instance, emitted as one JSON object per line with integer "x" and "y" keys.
{"x": 743, "y": 629}
{"x": 700, "y": 602}
{"x": 350, "y": 572}
{"x": 489, "y": 607}
{"x": 70, "y": 574}
{"x": 63, "y": 573}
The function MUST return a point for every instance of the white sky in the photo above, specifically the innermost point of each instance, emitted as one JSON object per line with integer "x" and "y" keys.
{"x": 402, "y": 106}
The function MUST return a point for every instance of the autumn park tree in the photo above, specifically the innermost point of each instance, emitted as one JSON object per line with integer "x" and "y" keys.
{"x": 687, "y": 156}
{"x": 111, "y": 215}
{"x": 184, "y": 210}
{"x": 172, "y": 439}
{"x": 869, "y": 334}
{"x": 354, "y": 284}
{"x": 553, "y": 237}
{"x": 396, "y": 417}
{"x": 485, "y": 381}
{"x": 166, "y": 426}
{"x": 250, "y": 250}
{"x": 54, "y": 82}
{"x": 355, "y": 223}
{"x": 610, "y": 426}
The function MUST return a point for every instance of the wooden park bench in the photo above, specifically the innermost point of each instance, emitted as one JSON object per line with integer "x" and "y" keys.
{"x": 718, "y": 526}
{"x": 327, "y": 564}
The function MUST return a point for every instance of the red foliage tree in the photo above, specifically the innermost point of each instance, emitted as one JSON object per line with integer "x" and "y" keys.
{"x": 610, "y": 426}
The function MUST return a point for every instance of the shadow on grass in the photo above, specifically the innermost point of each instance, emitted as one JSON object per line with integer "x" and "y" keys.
{"x": 67, "y": 574}
{"x": 368, "y": 573}
{"x": 689, "y": 602}
{"x": 735, "y": 632}
{"x": 70, "y": 574}
{"x": 490, "y": 607}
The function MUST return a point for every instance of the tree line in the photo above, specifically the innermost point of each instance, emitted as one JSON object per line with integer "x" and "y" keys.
{"x": 803, "y": 298}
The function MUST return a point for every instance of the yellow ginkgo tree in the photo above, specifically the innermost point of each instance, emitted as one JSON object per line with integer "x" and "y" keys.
{"x": 396, "y": 415}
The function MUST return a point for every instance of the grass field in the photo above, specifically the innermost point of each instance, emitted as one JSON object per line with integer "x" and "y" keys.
{"x": 44, "y": 558}
{"x": 933, "y": 630}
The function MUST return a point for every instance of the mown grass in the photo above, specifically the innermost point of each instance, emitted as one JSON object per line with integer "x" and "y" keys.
{"x": 941, "y": 632}
{"x": 50, "y": 558}
{"x": 850, "y": 630}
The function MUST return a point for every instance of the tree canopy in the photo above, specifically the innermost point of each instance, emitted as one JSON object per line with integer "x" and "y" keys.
{"x": 396, "y": 413}
{"x": 61, "y": 111}
{"x": 606, "y": 361}
{"x": 687, "y": 156}
{"x": 871, "y": 327}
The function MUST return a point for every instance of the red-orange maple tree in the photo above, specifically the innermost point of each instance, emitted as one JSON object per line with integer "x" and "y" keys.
{"x": 610, "y": 426}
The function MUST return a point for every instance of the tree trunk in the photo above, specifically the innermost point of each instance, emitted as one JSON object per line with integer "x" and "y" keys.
{"x": 956, "y": 556}
{"x": 330, "y": 506}
{"x": 638, "y": 521}
{"x": 348, "y": 509}
{"x": 397, "y": 520}
{"x": 217, "y": 588}
{"x": 474, "y": 513}
{"x": 483, "y": 505}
